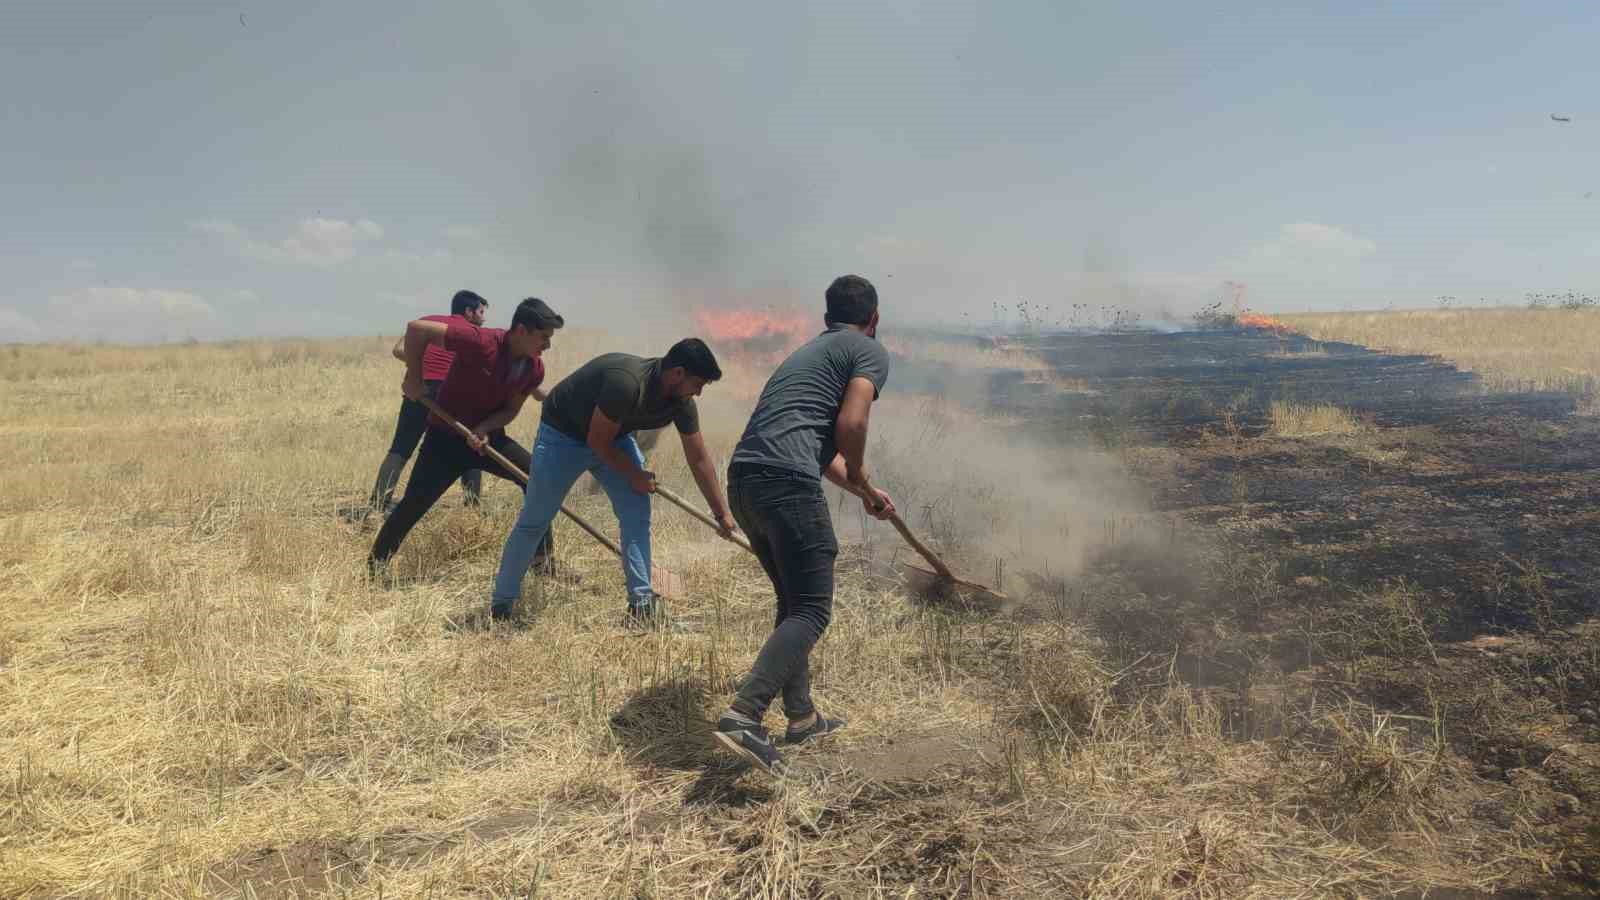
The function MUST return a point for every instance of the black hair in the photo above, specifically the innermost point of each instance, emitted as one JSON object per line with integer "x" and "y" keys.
{"x": 465, "y": 300}
{"x": 534, "y": 315}
{"x": 695, "y": 358}
{"x": 851, "y": 301}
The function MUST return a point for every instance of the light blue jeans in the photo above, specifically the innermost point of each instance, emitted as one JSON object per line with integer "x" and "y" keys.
{"x": 558, "y": 462}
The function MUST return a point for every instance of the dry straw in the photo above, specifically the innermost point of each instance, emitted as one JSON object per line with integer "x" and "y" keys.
{"x": 201, "y": 694}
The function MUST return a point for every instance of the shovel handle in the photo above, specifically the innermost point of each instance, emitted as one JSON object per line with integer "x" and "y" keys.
{"x": 932, "y": 558}
{"x": 917, "y": 545}
{"x": 693, "y": 510}
{"x": 520, "y": 475}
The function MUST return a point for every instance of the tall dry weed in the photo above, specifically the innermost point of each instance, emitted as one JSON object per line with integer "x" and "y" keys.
{"x": 1289, "y": 419}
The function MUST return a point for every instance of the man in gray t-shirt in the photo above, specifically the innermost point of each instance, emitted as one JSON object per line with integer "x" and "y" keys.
{"x": 793, "y": 425}
{"x": 810, "y": 424}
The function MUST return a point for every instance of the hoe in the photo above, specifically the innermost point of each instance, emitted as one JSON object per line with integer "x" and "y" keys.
{"x": 939, "y": 581}
{"x": 663, "y": 582}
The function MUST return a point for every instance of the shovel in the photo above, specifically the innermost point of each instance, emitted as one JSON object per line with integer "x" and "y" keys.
{"x": 663, "y": 582}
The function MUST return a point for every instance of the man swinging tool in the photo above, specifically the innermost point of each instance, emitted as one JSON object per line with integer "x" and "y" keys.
{"x": 494, "y": 372}
{"x": 587, "y": 426}
{"x": 809, "y": 423}
{"x": 413, "y": 418}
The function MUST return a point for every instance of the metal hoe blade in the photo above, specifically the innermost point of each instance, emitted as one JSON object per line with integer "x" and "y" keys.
{"x": 927, "y": 581}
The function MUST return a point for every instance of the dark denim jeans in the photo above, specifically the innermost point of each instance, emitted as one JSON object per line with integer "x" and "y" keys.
{"x": 408, "y": 429}
{"x": 785, "y": 515}
{"x": 445, "y": 457}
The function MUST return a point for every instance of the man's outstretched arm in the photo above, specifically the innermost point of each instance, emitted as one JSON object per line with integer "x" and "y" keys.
{"x": 705, "y": 477}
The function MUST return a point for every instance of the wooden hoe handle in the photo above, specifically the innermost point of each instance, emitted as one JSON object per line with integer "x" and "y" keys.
{"x": 693, "y": 510}
{"x": 917, "y": 545}
{"x": 932, "y": 558}
{"x": 521, "y": 476}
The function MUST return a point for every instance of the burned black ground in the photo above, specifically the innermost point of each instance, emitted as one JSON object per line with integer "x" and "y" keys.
{"x": 1439, "y": 562}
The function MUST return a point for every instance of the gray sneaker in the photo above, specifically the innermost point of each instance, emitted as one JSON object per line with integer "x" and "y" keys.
{"x": 751, "y": 742}
{"x": 819, "y": 729}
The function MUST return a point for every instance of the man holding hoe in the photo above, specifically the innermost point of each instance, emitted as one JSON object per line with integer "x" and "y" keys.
{"x": 494, "y": 372}
{"x": 413, "y": 419}
{"x": 587, "y": 426}
{"x": 810, "y": 423}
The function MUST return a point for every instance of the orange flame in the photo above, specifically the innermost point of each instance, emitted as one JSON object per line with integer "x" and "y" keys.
{"x": 770, "y": 329}
{"x": 1265, "y": 323}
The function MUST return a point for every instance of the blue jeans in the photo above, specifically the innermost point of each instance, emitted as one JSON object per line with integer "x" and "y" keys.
{"x": 558, "y": 462}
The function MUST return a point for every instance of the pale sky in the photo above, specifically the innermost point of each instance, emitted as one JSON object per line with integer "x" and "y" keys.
{"x": 208, "y": 170}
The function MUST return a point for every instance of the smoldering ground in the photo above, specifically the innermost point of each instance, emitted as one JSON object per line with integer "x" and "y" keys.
{"x": 994, "y": 500}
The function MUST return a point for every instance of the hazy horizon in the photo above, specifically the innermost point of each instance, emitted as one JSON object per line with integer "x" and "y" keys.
{"x": 183, "y": 171}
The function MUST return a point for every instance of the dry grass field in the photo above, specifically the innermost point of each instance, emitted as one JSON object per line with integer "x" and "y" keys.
{"x": 202, "y": 694}
{"x": 1510, "y": 349}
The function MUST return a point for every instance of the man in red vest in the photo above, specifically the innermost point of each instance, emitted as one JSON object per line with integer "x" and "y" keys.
{"x": 413, "y": 418}
{"x": 494, "y": 372}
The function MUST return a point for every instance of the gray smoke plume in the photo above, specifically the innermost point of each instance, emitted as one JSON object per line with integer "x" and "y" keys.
{"x": 643, "y": 208}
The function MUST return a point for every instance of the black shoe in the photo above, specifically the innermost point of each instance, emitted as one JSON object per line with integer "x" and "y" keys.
{"x": 653, "y": 617}
{"x": 500, "y": 613}
{"x": 355, "y": 515}
{"x": 752, "y": 743}
{"x": 547, "y": 567}
{"x": 645, "y": 617}
{"x": 482, "y": 621}
{"x": 821, "y": 728}
{"x": 646, "y": 613}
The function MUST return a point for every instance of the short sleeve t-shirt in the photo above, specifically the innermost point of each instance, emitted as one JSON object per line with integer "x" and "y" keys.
{"x": 436, "y": 359}
{"x": 627, "y": 389}
{"x": 793, "y": 423}
{"x": 484, "y": 376}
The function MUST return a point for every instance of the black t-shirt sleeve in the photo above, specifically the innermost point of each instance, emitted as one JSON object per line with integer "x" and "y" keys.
{"x": 619, "y": 395}
{"x": 688, "y": 418}
{"x": 870, "y": 361}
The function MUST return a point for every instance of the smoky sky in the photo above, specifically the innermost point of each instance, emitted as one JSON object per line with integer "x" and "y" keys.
{"x": 636, "y": 187}
{"x": 173, "y": 170}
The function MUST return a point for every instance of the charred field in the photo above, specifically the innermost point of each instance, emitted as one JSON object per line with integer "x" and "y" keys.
{"x": 1430, "y": 553}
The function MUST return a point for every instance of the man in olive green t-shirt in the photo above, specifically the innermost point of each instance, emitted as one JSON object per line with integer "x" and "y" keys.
{"x": 587, "y": 426}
